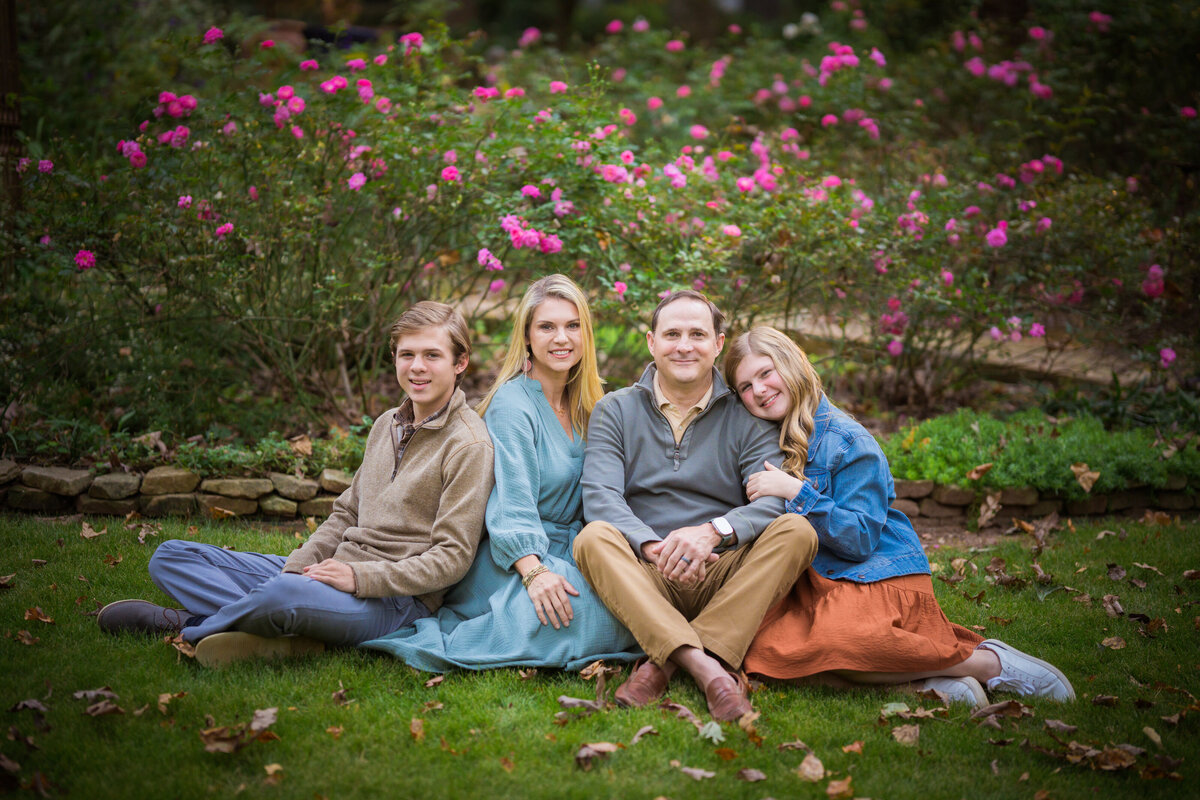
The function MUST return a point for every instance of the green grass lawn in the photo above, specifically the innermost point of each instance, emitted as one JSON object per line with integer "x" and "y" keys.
{"x": 494, "y": 734}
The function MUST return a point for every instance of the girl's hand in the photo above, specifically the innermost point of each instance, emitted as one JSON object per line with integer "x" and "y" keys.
{"x": 773, "y": 482}
{"x": 549, "y": 591}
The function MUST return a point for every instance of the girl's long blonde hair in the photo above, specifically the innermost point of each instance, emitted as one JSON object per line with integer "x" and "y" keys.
{"x": 584, "y": 386}
{"x": 802, "y": 381}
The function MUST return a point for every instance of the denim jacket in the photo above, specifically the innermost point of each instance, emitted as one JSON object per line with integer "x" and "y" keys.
{"x": 847, "y": 494}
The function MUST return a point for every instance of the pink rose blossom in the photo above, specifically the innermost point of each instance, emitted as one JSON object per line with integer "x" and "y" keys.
{"x": 516, "y": 91}
{"x": 412, "y": 41}
{"x": 357, "y": 181}
{"x": 224, "y": 230}
{"x": 557, "y": 87}
{"x": 674, "y": 46}
{"x": 683, "y": 91}
{"x": 1037, "y": 330}
{"x": 356, "y": 64}
{"x": 528, "y": 37}
{"x": 86, "y": 259}
{"x": 1154, "y": 284}
{"x": 529, "y": 190}
{"x": 996, "y": 333}
{"x": 615, "y": 26}
{"x": 297, "y": 131}
{"x": 895, "y": 347}
{"x": 1100, "y": 20}
{"x": 731, "y": 230}
{"x": 831, "y": 182}
{"x": 996, "y": 237}
{"x": 829, "y": 119}
{"x": 1044, "y": 224}
{"x": 253, "y": 192}
{"x": 212, "y": 35}
{"x": 497, "y": 286}
{"x": 309, "y": 64}
{"x": 745, "y": 184}
{"x": 654, "y": 103}
{"x": 296, "y": 105}
{"x": 640, "y": 25}
{"x": 380, "y": 60}
{"x": 698, "y": 132}
{"x": 489, "y": 261}
{"x": 1166, "y": 355}
{"x": 976, "y": 67}
{"x": 137, "y": 160}
{"x": 1037, "y": 33}
{"x": 947, "y": 277}
{"x": 45, "y": 166}
{"x": 618, "y": 74}
{"x": 620, "y": 287}
{"x": 627, "y": 116}
{"x": 1187, "y": 112}
{"x": 451, "y": 174}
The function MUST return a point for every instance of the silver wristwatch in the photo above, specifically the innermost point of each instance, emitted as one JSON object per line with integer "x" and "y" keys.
{"x": 725, "y": 530}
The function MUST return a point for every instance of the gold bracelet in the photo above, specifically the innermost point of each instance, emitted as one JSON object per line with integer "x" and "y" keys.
{"x": 528, "y": 577}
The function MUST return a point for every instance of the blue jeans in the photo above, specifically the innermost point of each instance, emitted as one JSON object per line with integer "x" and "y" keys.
{"x": 227, "y": 590}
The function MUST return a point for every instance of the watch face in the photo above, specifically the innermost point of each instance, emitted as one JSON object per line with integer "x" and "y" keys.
{"x": 722, "y": 525}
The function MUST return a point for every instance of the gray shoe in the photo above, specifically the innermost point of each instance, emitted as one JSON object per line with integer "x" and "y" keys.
{"x": 221, "y": 649}
{"x": 140, "y": 616}
{"x": 957, "y": 690}
{"x": 1021, "y": 673}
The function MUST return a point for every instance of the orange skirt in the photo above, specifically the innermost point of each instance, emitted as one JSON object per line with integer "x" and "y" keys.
{"x": 892, "y": 625}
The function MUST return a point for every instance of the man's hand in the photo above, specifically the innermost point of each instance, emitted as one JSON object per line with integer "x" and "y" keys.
{"x": 333, "y": 573}
{"x": 773, "y": 482}
{"x": 681, "y": 557}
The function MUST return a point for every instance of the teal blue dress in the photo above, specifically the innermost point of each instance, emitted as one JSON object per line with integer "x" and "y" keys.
{"x": 536, "y": 507}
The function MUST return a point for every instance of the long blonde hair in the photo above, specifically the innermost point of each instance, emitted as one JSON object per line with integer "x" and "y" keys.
{"x": 802, "y": 381}
{"x": 584, "y": 386}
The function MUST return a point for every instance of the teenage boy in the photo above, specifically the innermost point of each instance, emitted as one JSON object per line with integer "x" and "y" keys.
{"x": 672, "y": 545}
{"x": 405, "y": 530}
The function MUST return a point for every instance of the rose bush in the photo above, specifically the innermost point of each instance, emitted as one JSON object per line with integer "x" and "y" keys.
{"x": 240, "y": 251}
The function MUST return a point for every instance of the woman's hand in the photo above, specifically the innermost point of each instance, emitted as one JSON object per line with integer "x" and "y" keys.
{"x": 549, "y": 591}
{"x": 773, "y": 482}
{"x": 338, "y": 575}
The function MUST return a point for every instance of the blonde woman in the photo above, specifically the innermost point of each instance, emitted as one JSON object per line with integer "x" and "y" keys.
{"x": 864, "y": 612}
{"x": 524, "y": 602}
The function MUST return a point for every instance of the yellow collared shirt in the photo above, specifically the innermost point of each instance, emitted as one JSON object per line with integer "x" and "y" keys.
{"x": 678, "y": 417}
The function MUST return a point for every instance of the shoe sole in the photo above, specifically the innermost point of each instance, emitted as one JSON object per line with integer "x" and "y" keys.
{"x": 997, "y": 644}
{"x": 222, "y": 649}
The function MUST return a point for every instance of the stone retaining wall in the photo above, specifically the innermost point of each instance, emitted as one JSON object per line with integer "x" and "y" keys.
{"x": 173, "y": 491}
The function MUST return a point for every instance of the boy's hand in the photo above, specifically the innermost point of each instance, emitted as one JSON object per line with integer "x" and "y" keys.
{"x": 335, "y": 574}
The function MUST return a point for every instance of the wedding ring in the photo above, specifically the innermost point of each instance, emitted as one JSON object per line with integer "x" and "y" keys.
{"x": 685, "y": 559}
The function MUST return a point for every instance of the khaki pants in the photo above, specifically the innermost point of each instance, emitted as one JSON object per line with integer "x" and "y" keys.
{"x": 720, "y": 614}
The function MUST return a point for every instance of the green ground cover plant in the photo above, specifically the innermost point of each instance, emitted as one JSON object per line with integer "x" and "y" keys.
{"x": 1033, "y": 449}
{"x": 1117, "y": 613}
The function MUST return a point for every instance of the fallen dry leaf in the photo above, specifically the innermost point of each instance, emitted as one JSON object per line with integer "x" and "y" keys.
{"x": 1115, "y": 572}
{"x": 181, "y": 647}
{"x": 838, "y": 790}
{"x": 112, "y": 560}
{"x": 432, "y": 705}
{"x": 507, "y": 764}
{"x": 645, "y": 730}
{"x": 1105, "y": 700}
{"x": 711, "y": 730}
{"x": 526, "y": 674}
{"x": 725, "y": 753}
{"x": 232, "y": 738}
{"x": 907, "y": 735}
{"x": 587, "y": 752}
{"x": 36, "y": 614}
{"x": 1140, "y": 565}
{"x": 335, "y": 731}
{"x": 1191, "y": 574}
{"x": 339, "y": 697}
{"x": 434, "y": 681}
{"x": 274, "y": 774}
{"x": 102, "y": 708}
{"x": 1152, "y": 735}
{"x": 1113, "y": 642}
{"x": 165, "y": 698}
{"x": 8, "y": 765}
{"x": 1111, "y": 759}
{"x": 681, "y": 711}
{"x": 6, "y": 580}
{"x": 1112, "y": 605}
{"x": 978, "y": 472}
{"x": 1086, "y": 477}
{"x": 27, "y": 638}
{"x": 88, "y": 532}
{"x": 31, "y": 704}
{"x": 988, "y": 509}
{"x": 853, "y": 747}
{"x": 695, "y": 773}
{"x": 91, "y": 695}
{"x": 811, "y": 769}
{"x": 751, "y": 775}
{"x": 1059, "y": 726}
{"x": 216, "y": 512}
{"x": 1005, "y": 708}
{"x": 417, "y": 728}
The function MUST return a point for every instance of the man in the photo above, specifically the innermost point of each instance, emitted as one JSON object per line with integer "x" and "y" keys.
{"x": 406, "y": 529}
{"x": 672, "y": 546}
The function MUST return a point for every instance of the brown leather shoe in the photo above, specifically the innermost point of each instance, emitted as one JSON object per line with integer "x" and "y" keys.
{"x": 727, "y": 698}
{"x": 645, "y": 685}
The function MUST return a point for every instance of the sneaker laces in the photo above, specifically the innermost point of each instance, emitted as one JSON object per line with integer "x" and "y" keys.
{"x": 1015, "y": 685}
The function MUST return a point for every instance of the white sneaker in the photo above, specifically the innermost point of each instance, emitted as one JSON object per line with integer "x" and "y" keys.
{"x": 957, "y": 690}
{"x": 1021, "y": 673}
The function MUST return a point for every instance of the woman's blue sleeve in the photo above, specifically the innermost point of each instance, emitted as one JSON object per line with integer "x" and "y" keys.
{"x": 514, "y": 525}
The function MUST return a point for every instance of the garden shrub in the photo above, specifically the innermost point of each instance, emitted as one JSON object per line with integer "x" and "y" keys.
{"x": 237, "y": 256}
